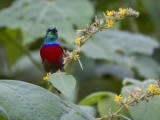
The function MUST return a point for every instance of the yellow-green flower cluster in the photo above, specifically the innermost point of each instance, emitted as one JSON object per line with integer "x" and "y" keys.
{"x": 107, "y": 21}
{"x": 112, "y": 16}
{"x": 118, "y": 98}
{"x": 73, "y": 56}
{"x": 122, "y": 11}
{"x": 110, "y": 13}
{"x": 137, "y": 95}
{"x": 154, "y": 89}
{"x": 78, "y": 41}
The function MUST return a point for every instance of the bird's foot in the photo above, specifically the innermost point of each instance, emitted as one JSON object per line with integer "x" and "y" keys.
{"x": 46, "y": 78}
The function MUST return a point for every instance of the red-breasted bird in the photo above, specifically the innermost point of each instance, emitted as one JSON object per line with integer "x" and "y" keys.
{"x": 51, "y": 52}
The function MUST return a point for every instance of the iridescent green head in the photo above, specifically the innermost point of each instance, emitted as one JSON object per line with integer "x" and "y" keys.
{"x": 51, "y": 36}
{"x": 52, "y": 33}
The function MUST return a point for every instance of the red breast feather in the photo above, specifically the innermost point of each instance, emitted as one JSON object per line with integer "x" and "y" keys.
{"x": 52, "y": 57}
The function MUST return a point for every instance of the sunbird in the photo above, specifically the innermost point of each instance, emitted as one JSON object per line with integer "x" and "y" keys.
{"x": 51, "y": 52}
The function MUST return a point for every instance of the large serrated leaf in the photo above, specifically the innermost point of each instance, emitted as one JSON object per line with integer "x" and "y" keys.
{"x": 35, "y": 16}
{"x": 115, "y": 45}
{"x": 144, "y": 110}
{"x": 24, "y": 101}
{"x": 64, "y": 82}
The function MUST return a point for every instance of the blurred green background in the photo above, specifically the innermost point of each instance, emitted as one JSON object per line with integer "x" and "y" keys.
{"x": 129, "y": 50}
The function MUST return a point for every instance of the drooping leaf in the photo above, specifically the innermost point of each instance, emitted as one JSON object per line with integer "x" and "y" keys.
{"x": 144, "y": 110}
{"x": 24, "y": 101}
{"x": 116, "y": 45}
{"x": 33, "y": 17}
{"x": 64, "y": 82}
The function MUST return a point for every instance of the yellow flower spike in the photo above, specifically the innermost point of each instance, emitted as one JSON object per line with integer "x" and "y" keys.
{"x": 110, "y": 13}
{"x": 46, "y": 78}
{"x": 110, "y": 23}
{"x": 152, "y": 88}
{"x": 76, "y": 57}
{"x": 118, "y": 98}
{"x": 78, "y": 41}
{"x": 122, "y": 11}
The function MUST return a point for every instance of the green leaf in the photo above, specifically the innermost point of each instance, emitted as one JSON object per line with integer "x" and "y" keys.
{"x": 117, "y": 45}
{"x": 144, "y": 110}
{"x": 35, "y": 16}
{"x": 64, "y": 82}
{"x": 11, "y": 39}
{"x": 24, "y": 101}
{"x": 94, "y": 98}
